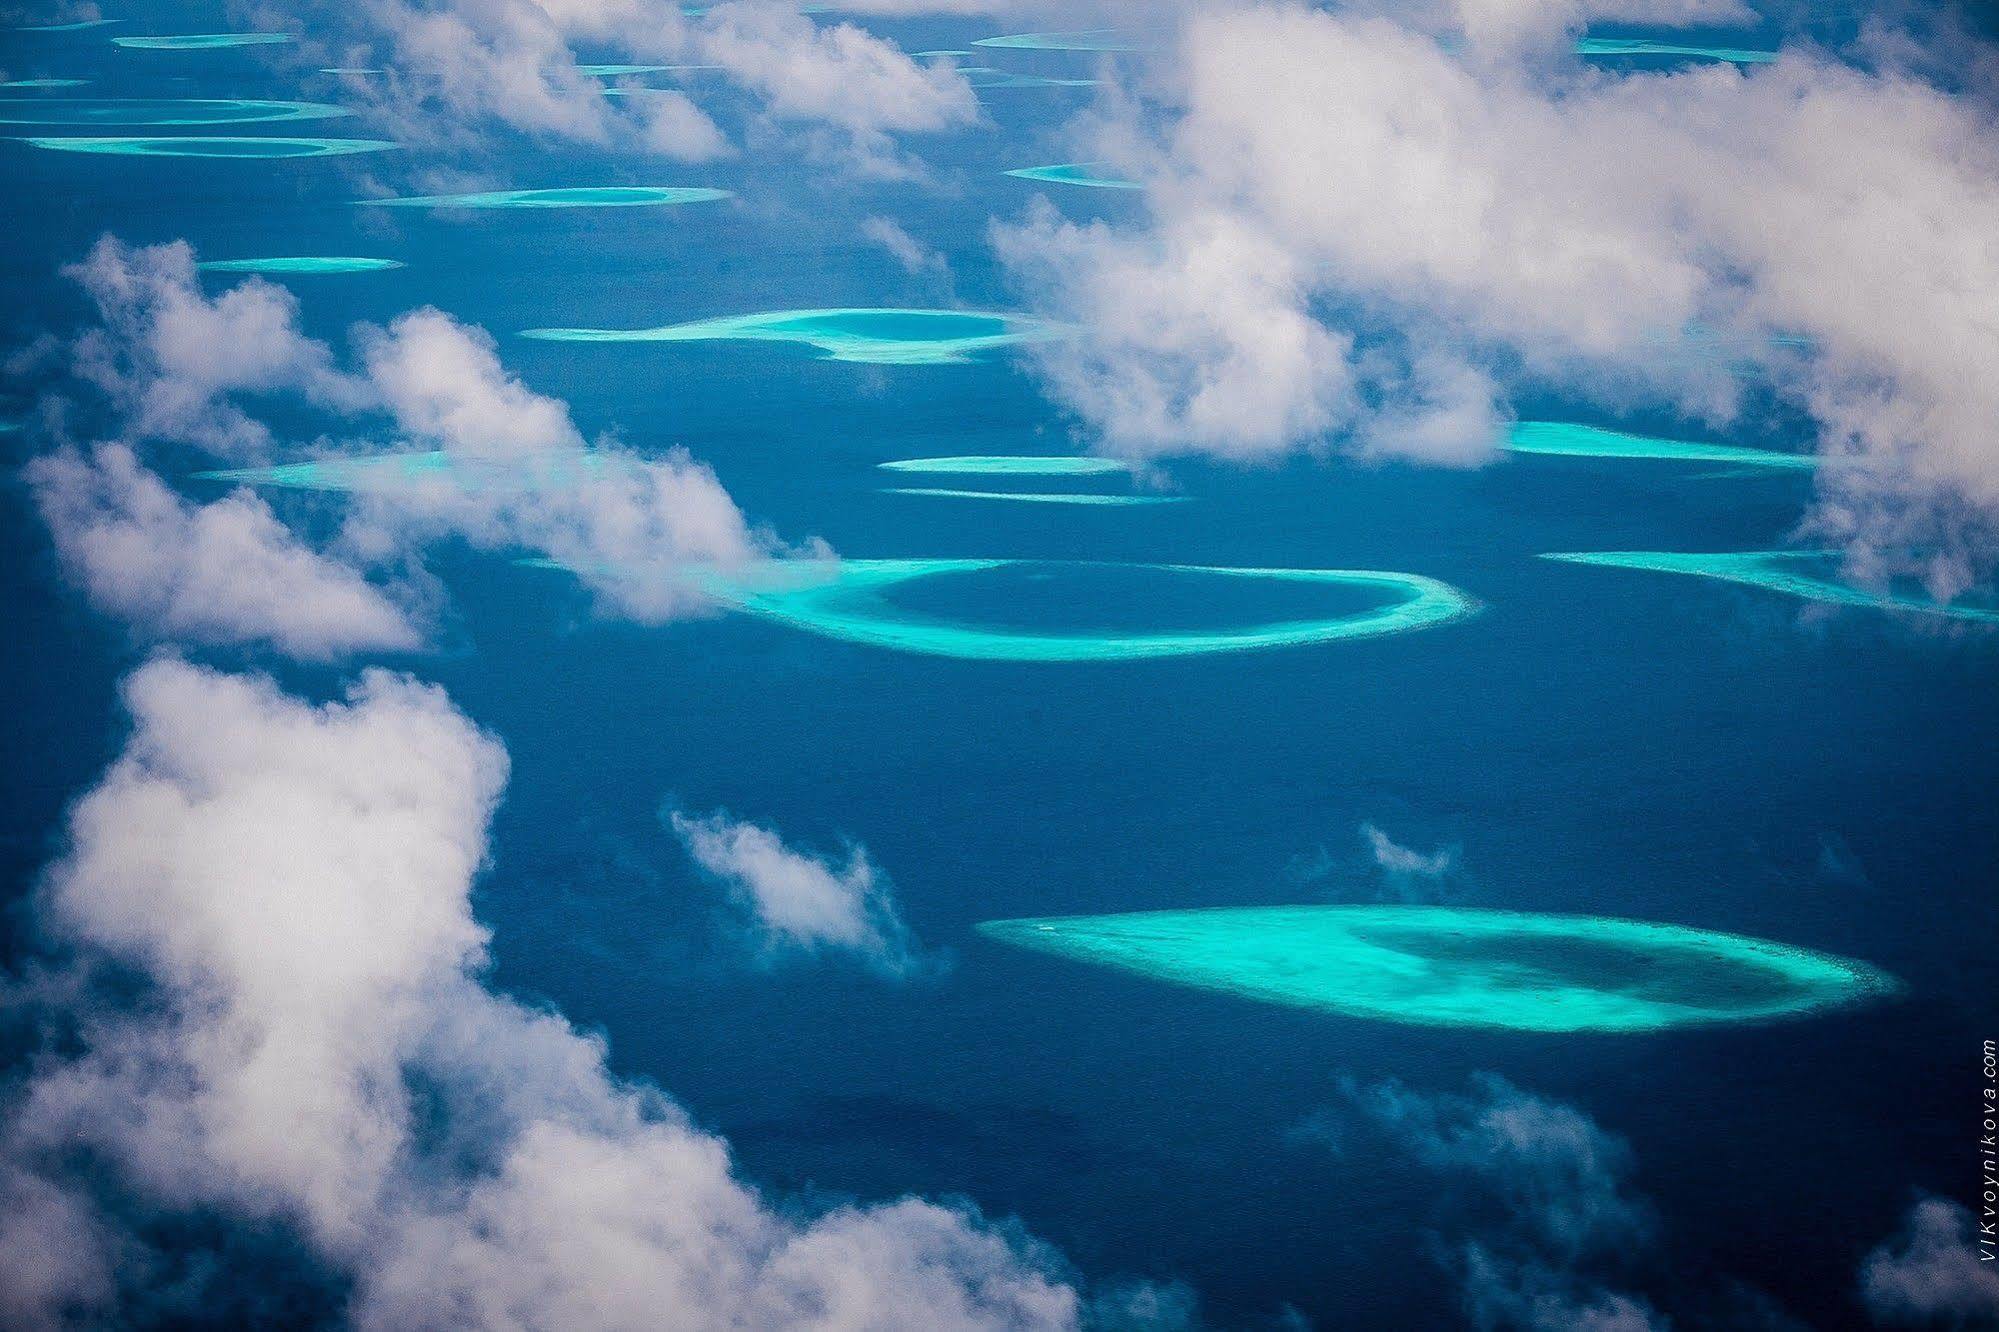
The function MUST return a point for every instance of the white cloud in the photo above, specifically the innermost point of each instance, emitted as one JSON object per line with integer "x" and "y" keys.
{"x": 1354, "y": 228}
{"x": 1931, "y": 1273}
{"x": 915, "y": 257}
{"x": 1412, "y": 874}
{"x": 801, "y": 902}
{"x": 224, "y": 572}
{"x": 313, "y": 1049}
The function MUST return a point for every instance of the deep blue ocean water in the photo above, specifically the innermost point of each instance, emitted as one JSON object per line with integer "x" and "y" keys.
{"x": 1596, "y": 740}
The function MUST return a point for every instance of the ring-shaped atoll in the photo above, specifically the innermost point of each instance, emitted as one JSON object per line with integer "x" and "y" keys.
{"x": 215, "y": 145}
{"x": 1038, "y": 496}
{"x": 1786, "y": 571}
{"x": 158, "y": 111}
{"x": 1643, "y": 46}
{"x": 1457, "y": 967}
{"x": 1007, "y": 464}
{"x": 845, "y": 600}
{"x": 203, "y": 41}
{"x": 1099, "y": 39}
{"x": 573, "y": 196}
{"x": 301, "y": 265}
{"x": 1568, "y": 440}
{"x": 1074, "y": 173}
{"x": 876, "y": 336}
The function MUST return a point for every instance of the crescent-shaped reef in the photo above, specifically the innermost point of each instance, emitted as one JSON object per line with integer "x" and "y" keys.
{"x": 1037, "y": 497}
{"x": 1641, "y": 46}
{"x": 573, "y": 196}
{"x": 1568, "y": 440}
{"x": 203, "y": 41}
{"x": 877, "y": 336}
{"x": 303, "y": 265}
{"x": 1073, "y": 173}
{"x": 1000, "y": 464}
{"x": 1798, "y": 573}
{"x": 213, "y": 146}
{"x": 1453, "y": 967}
{"x": 1099, "y": 39}
{"x": 161, "y": 111}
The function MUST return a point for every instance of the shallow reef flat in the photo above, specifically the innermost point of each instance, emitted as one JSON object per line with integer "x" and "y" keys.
{"x": 1098, "y": 39}
{"x": 45, "y": 83}
{"x": 1038, "y": 497}
{"x": 1807, "y": 574}
{"x": 574, "y": 196}
{"x": 1074, "y": 173}
{"x": 203, "y": 41}
{"x": 1568, "y": 440}
{"x": 984, "y": 77}
{"x": 77, "y": 26}
{"x": 1641, "y": 46}
{"x": 849, "y": 600}
{"x": 389, "y": 472}
{"x": 1450, "y": 967}
{"x": 1004, "y": 464}
{"x": 875, "y": 335}
{"x": 213, "y": 146}
{"x": 157, "y": 111}
{"x": 303, "y": 265}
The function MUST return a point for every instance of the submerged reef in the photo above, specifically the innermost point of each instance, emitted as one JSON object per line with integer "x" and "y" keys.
{"x": 1099, "y": 39}
{"x": 217, "y": 146}
{"x": 203, "y": 41}
{"x": 302, "y": 265}
{"x": 77, "y": 26}
{"x": 1797, "y": 573}
{"x": 1037, "y": 497}
{"x": 1446, "y": 967}
{"x": 1000, "y": 464}
{"x": 213, "y": 146}
{"x": 44, "y": 83}
{"x": 850, "y": 600}
{"x": 1568, "y": 440}
{"x": 876, "y": 336}
{"x": 576, "y": 196}
{"x": 162, "y": 111}
{"x": 1074, "y": 173}
{"x": 619, "y": 71}
{"x": 1642, "y": 46}
{"x": 382, "y": 472}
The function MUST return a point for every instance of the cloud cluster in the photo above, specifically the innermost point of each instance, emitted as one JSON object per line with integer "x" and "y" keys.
{"x": 179, "y": 366}
{"x": 309, "y": 1045}
{"x": 1362, "y": 229}
{"x": 1561, "y": 1183}
{"x": 798, "y": 902}
{"x": 1931, "y": 1274}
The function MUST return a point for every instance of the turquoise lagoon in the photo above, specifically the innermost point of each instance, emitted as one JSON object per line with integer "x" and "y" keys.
{"x": 1445, "y": 967}
{"x": 161, "y": 111}
{"x": 213, "y": 146}
{"x": 1074, "y": 173}
{"x": 876, "y": 336}
{"x": 1811, "y": 575}
{"x": 575, "y": 196}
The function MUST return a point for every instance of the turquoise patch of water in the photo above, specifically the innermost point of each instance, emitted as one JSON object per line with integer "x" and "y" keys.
{"x": 1037, "y": 497}
{"x": 157, "y": 111}
{"x": 213, "y": 146}
{"x": 591, "y": 196}
{"x": 1100, "y": 39}
{"x": 301, "y": 265}
{"x": 877, "y": 336}
{"x": 618, "y": 71}
{"x": 203, "y": 41}
{"x": 44, "y": 83}
{"x": 994, "y": 464}
{"x": 1640, "y": 46}
{"x": 1073, "y": 173}
{"x": 1568, "y": 440}
{"x": 1797, "y": 573}
{"x": 1444, "y": 967}
{"x": 388, "y": 472}
{"x": 77, "y": 26}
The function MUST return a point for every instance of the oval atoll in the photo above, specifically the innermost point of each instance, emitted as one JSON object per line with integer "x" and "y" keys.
{"x": 574, "y": 196}
{"x": 303, "y": 265}
{"x": 1074, "y": 173}
{"x": 878, "y": 336}
{"x": 158, "y": 111}
{"x": 1809, "y": 574}
{"x": 1569, "y": 440}
{"x": 1000, "y": 609}
{"x": 203, "y": 41}
{"x": 1454, "y": 967}
{"x": 213, "y": 146}
{"x": 1007, "y": 464}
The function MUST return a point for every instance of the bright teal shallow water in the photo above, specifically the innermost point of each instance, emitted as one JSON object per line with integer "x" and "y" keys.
{"x": 1038, "y": 497}
{"x": 875, "y": 335}
{"x": 1074, "y": 173}
{"x": 77, "y": 26}
{"x": 1796, "y": 573}
{"x": 204, "y": 41}
{"x": 855, "y": 601}
{"x": 1007, "y": 465}
{"x": 389, "y": 472}
{"x": 216, "y": 146}
{"x": 1640, "y": 46}
{"x": 1100, "y": 39}
{"x": 45, "y": 83}
{"x": 160, "y": 111}
{"x": 1568, "y": 440}
{"x": 1436, "y": 966}
{"x": 569, "y": 196}
{"x": 301, "y": 265}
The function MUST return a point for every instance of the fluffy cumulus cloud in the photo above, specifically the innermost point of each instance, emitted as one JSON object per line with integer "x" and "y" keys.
{"x": 1409, "y": 873}
{"x": 275, "y": 1016}
{"x": 798, "y": 902}
{"x": 1561, "y": 1184}
{"x": 224, "y": 572}
{"x": 519, "y": 475}
{"x": 1932, "y": 1274}
{"x": 1368, "y": 228}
